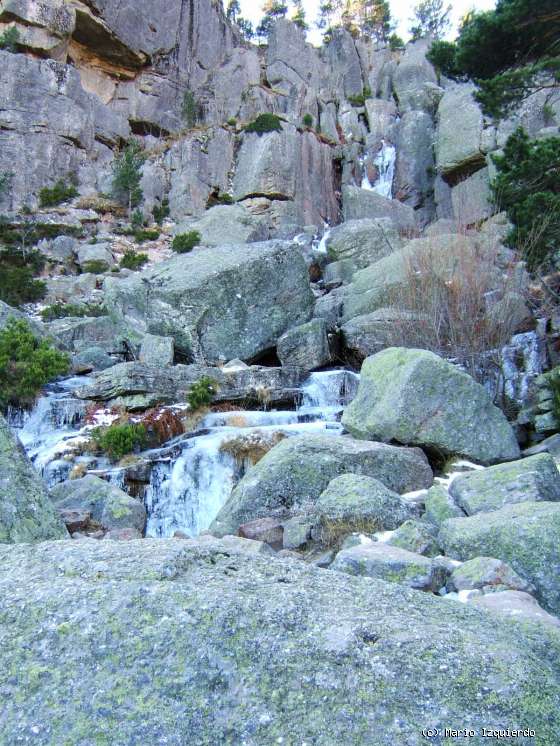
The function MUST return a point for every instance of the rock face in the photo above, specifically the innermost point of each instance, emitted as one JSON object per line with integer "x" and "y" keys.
{"x": 525, "y": 535}
{"x": 218, "y": 304}
{"x": 297, "y": 470}
{"x": 26, "y": 513}
{"x": 109, "y": 506}
{"x": 306, "y": 346}
{"x": 363, "y": 503}
{"x": 362, "y": 203}
{"x": 516, "y": 605}
{"x": 487, "y": 573}
{"x": 362, "y": 242}
{"x": 392, "y": 564}
{"x": 192, "y": 624}
{"x": 416, "y": 398}
{"x": 534, "y": 478}
{"x": 459, "y": 132}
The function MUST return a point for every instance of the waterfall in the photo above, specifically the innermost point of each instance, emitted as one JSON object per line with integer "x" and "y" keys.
{"x": 186, "y": 493}
{"x": 385, "y": 163}
{"x": 193, "y": 475}
{"x": 54, "y": 421}
{"x": 320, "y": 246}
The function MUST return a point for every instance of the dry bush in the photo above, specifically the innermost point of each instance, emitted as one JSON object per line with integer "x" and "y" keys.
{"x": 464, "y": 306}
{"x": 250, "y": 449}
{"x": 330, "y": 532}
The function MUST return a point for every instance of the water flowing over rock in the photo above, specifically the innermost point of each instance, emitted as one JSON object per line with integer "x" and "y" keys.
{"x": 218, "y": 304}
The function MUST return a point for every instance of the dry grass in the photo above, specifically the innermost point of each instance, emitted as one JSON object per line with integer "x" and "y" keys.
{"x": 250, "y": 449}
{"x": 330, "y": 532}
{"x": 452, "y": 302}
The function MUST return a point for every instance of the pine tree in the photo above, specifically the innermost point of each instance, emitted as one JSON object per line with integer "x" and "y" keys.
{"x": 430, "y": 19}
{"x": 299, "y": 16}
{"x": 233, "y": 11}
{"x": 127, "y": 174}
{"x": 273, "y": 9}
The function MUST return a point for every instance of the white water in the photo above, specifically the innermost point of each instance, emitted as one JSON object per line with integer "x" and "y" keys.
{"x": 385, "y": 164}
{"x": 186, "y": 493}
{"x": 193, "y": 475}
{"x": 320, "y": 246}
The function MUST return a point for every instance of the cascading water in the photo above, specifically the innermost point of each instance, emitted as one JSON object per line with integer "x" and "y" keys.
{"x": 320, "y": 246}
{"x": 46, "y": 431}
{"x": 191, "y": 476}
{"x": 385, "y": 165}
{"x": 186, "y": 493}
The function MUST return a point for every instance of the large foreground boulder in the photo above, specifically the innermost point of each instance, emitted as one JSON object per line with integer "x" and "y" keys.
{"x": 166, "y": 641}
{"x": 534, "y": 478}
{"x": 296, "y": 471}
{"x": 218, "y": 304}
{"x": 416, "y": 398}
{"x": 26, "y": 512}
{"x": 525, "y": 535}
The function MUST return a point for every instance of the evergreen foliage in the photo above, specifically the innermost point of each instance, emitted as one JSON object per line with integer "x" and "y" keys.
{"x": 56, "y": 195}
{"x": 160, "y": 212}
{"x": 527, "y": 187}
{"x": 307, "y": 121}
{"x": 132, "y": 260}
{"x": 10, "y": 39}
{"x": 66, "y": 310}
{"x": 127, "y": 174}
{"x": 201, "y": 393}
{"x": 511, "y": 52}
{"x": 119, "y": 440}
{"x": 26, "y": 364}
{"x": 299, "y": 17}
{"x": 265, "y": 123}
{"x": 370, "y": 18}
{"x": 272, "y": 9}
{"x": 95, "y": 267}
{"x": 189, "y": 109}
{"x": 430, "y": 19}
{"x": 17, "y": 277}
{"x": 5, "y": 182}
{"x": 185, "y": 242}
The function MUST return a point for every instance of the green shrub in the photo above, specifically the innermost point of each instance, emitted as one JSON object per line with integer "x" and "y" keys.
{"x": 160, "y": 212}
{"x": 232, "y": 122}
{"x": 127, "y": 174}
{"x": 265, "y": 123}
{"x": 219, "y": 198}
{"x": 201, "y": 393}
{"x": 10, "y": 39}
{"x": 527, "y": 187}
{"x": 132, "y": 260}
{"x": 189, "y": 109}
{"x": 65, "y": 310}
{"x": 360, "y": 98}
{"x": 17, "y": 282}
{"x": 5, "y": 182}
{"x": 308, "y": 121}
{"x": 26, "y": 364}
{"x": 95, "y": 267}
{"x": 119, "y": 440}
{"x": 145, "y": 235}
{"x": 56, "y": 195}
{"x": 185, "y": 242}
{"x": 137, "y": 220}
{"x": 396, "y": 43}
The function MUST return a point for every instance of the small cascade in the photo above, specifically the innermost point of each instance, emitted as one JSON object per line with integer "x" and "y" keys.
{"x": 56, "y": 418}
{"x": 320, "y": 246}
{"x": 523, "y": 360}
{"x": 385, "y": 164}
{"x": 186, "y": 492}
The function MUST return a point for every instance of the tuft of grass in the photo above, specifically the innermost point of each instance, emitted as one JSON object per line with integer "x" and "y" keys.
{"x": 265, "y": 123}
{"x": 56, "y": 195}
{"x": 185, "y": 242}
{"x": 132, "y": 260}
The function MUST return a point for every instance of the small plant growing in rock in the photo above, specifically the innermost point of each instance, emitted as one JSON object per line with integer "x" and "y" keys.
{"x": 144, "y": 234}
{"x": 132, "y": 260}
{"x": 127, "y": 174}
{"x": 65, "y": 310}
{"x": 95, "y": 267}
{"x": 17, "y": 282}
{"x": 26, "y": 364}
{"x": 185, "y": 242}
{"x": 201, "y": 393}
{"x": 10, "y": 39}
{"x": 232, "y": 122}
{"x": 56, "y": 195}
{"x": 189, "y": 109}
{"x": 308, "y": 121}
{"x": 5, "y": 182}
{"x": 119, "y": 440}
{"x": 137, "y": 219}
{"x": 265, "y": 123}
{"x": 160, "y": 212}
